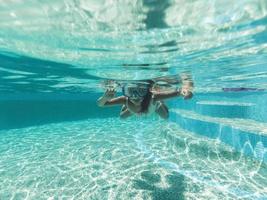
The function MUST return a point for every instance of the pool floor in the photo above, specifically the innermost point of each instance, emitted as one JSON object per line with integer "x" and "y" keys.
{"x": 114, "y": 159}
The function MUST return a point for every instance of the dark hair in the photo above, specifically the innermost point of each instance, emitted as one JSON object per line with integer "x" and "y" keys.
{"x": 147, "y": 98}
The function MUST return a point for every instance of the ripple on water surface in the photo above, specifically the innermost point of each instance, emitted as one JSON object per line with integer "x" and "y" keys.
{"x": 114, "y": 159}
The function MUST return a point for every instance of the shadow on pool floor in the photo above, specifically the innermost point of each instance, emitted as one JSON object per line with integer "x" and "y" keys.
{"x": 149, "y": 182}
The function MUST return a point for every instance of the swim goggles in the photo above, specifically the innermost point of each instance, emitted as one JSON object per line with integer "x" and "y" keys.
{"x": 135, "y": 92}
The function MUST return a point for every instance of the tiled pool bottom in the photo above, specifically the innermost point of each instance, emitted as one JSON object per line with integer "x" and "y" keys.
{"x": 132, "y": 159}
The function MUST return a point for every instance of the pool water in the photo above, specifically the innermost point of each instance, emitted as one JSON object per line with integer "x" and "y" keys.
{"x": 113, "y": 159}
{"x": 55, "y": 56}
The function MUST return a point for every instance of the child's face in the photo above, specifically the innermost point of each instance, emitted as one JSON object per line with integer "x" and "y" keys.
{"x": 136, "y": 101}
{"x": 136, "y": 92}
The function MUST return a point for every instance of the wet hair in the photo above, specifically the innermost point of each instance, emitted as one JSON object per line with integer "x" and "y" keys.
{"x": 147, "y": 98}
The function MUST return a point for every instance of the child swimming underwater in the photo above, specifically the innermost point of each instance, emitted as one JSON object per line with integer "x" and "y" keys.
{"x": 144, "y": 98}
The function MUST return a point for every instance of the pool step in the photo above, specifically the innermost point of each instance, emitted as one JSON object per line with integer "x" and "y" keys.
{"x": 248, "y": 136}
{"x": 226, "y": 109}
{"x": 226, "y": 105}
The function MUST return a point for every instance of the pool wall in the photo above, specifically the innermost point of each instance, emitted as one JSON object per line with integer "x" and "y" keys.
{"x": 22, "y": 110}
{"x": 235, "y": 118}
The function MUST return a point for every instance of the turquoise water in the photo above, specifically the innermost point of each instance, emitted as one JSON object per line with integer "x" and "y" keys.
{"x": 55, "y": 143}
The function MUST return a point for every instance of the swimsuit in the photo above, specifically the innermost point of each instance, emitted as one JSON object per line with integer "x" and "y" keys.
{"x": 153, "y": 106}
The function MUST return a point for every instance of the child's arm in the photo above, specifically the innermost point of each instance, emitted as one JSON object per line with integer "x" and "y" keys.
{"x": 108, "y": 99}
{"x": 158, "y": 96}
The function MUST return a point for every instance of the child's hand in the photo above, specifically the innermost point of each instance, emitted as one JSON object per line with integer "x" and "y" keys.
{"x": 187, "y": 86}
{"x": 110, "y": 93}
{"x": 186, "y": 93}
